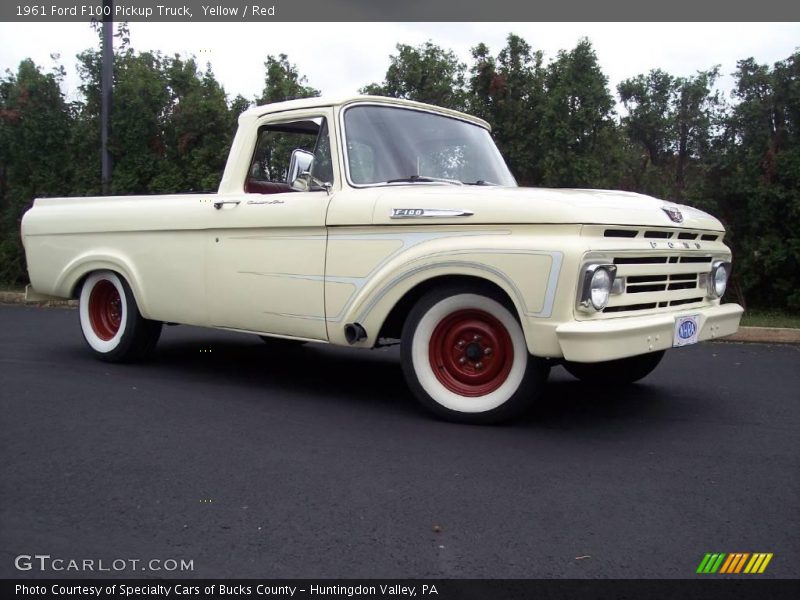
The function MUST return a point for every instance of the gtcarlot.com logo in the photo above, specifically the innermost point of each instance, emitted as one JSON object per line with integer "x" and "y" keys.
{"x": 735, "y": 563}
{"x": 45, "y": 562}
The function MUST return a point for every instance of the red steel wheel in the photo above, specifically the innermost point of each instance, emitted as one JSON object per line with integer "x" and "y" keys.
{"x": 471, "y": 352}
{"x": 105, "y": 309}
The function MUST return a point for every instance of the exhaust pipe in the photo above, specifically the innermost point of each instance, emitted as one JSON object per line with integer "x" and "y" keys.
{"x": 354, "y": 332}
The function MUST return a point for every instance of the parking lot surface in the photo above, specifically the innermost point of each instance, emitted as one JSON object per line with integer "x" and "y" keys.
{"x": 260, "y": 461}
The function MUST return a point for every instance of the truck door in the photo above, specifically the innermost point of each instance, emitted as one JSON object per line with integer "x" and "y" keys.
{"x": 266, "y": 247}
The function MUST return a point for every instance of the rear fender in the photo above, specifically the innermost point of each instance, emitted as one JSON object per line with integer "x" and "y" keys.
{"x": 68, "y": 283}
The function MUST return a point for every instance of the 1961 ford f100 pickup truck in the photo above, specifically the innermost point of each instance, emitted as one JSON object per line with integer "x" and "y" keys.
{"x": 368, "y": 220}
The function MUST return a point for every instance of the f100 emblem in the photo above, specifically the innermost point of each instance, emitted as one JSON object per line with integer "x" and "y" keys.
{"x": 408, "y": 212}
{"x": 428, "y": 213}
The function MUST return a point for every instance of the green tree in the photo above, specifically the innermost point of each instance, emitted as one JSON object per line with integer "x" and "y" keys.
{"x": 672, "y": 120}
{"x": 238, "y": 105}
{"x": 755, "y": 180}
{"x": 35, "y": 153}
{"x": 426, "y": 73}
{"x": 579, "y": 141}
{"x": 140, "y": 105}
{"x": 649, "y": 101}
{"x": 697, "y": 112}
{"x": 197, "y": 129}
{"x": 171, "y": 126}
{"x": 284, "y": 82}
{"x": 509, "y": 93}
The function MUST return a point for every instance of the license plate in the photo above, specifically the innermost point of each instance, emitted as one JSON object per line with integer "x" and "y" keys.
{"x": 687, "y": 331}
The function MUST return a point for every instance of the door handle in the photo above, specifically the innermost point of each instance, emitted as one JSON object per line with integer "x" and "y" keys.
{"x": 218, "y": 204}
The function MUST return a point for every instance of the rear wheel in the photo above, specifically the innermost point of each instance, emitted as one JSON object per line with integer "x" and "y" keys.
{"x": 110, "y": 320}
{"x": 616, "y": 372}
{"x": 465, "y": 358}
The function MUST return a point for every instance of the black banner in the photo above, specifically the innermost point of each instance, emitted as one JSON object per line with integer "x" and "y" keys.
{"x": 447, "y": 589}
{"x": 393, "y": 11}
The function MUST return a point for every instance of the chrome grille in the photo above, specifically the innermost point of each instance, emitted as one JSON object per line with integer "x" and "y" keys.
{"x": 659, "y": 281}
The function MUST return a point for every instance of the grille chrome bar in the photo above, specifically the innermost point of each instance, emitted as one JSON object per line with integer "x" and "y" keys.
{"x": 659, "y": 281}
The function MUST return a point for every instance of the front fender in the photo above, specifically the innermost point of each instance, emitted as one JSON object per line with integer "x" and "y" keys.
{"x": 522, "y": 266}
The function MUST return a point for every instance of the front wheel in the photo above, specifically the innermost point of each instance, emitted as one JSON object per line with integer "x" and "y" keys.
{"x": 616, "y": 372}
{"x": 465, "y": 358}
{"x": 110, "y": 320}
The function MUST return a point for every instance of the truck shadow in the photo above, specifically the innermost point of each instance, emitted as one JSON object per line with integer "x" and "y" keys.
{"x": 373, "y": 380}
{"x": 355, "y": 377}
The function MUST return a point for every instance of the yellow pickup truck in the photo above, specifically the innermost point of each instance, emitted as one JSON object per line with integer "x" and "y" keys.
{"x": 366, "y": 221}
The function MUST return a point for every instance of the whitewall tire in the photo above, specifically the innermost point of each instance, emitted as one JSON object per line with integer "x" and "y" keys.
{"x": 110, "y": 321}
{"x": 465, "y": 357}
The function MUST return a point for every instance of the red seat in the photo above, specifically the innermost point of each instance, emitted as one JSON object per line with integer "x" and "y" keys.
{"x": 253, "y": 186}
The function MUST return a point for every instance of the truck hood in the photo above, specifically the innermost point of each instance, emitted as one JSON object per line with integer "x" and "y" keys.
{"x": 492, "y": 204}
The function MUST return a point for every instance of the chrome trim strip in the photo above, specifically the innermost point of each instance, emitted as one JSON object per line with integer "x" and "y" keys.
{"x": 428, "y": 213}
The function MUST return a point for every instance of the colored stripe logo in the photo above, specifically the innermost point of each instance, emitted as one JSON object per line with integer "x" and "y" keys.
{"x": 734, "y": 563}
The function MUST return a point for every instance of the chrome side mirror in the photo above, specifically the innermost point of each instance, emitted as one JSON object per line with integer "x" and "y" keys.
{"x": 299, "y": 164}
{"x": 303, "y": 182}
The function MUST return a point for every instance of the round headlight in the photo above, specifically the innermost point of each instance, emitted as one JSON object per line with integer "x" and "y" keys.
{"x": 600, "y": 287}
{"x": 719, "y": 280}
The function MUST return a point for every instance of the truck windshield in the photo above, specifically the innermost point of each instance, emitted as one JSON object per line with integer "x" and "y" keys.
{"x": 399, "y": 145}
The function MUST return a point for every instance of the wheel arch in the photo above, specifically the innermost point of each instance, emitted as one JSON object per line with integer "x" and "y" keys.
{"x": 75, "y": 274}
{"x": 394, "y": 316}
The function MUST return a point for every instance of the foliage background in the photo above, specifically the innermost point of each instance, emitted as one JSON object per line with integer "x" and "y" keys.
{"x": 556, "y": 123}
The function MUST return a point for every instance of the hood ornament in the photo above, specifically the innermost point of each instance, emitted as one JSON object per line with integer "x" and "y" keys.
{"x": 675, "y": 215}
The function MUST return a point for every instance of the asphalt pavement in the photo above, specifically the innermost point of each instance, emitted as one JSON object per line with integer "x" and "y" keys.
{"x": 257, "y": 461}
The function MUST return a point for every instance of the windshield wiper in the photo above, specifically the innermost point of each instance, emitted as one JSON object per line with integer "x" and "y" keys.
{"x": 423, "y": 179}
{"x": 480, "y": 182}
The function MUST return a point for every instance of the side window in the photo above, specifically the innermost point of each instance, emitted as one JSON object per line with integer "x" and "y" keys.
{"x": 269, "y": 165}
